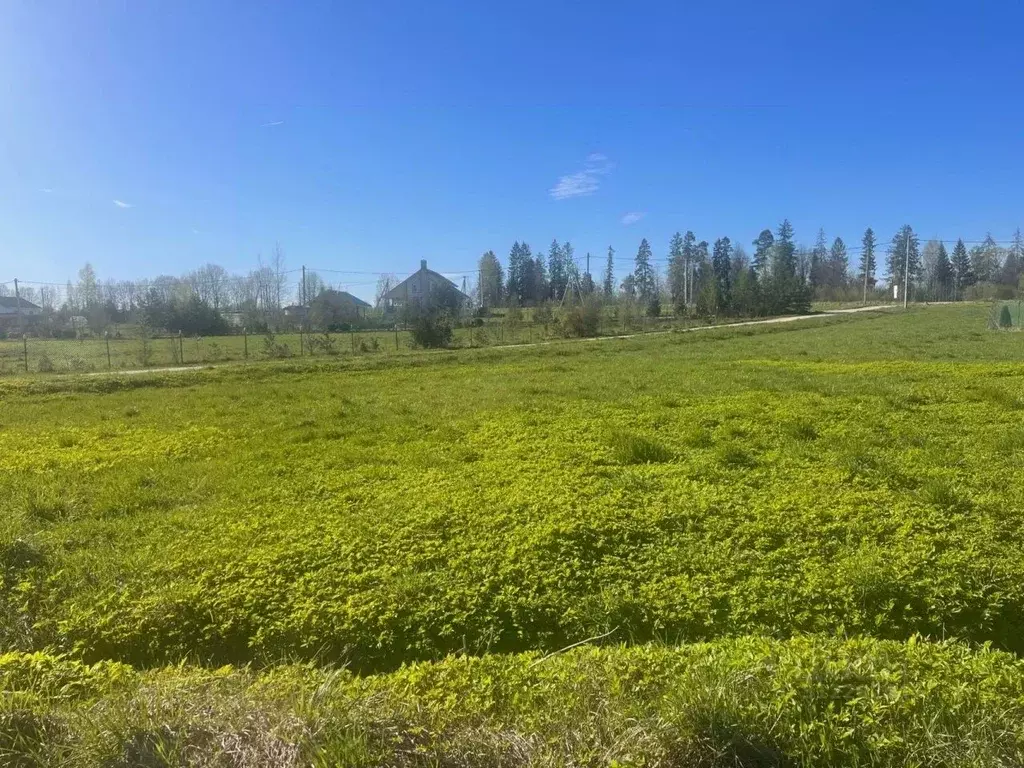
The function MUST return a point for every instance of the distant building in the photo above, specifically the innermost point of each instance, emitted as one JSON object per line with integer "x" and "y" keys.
{"x": 12, "y": 313}
{"x": 330, "y": 309}
{"x": 425, "y": 288}
{"x": 234, "y": 319}
{"x": 296, "y": 313}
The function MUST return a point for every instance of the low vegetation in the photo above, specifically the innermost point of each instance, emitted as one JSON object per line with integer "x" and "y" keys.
{"x": 715, "y": 510}
{"x": 750, "y": 702}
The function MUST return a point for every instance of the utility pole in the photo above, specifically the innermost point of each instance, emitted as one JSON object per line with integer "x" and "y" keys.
{"x": 17, "y": 303}
{"x": 305, "y": 303}
{"x": 867, "y": 263}
{"x": 588, "y": 265}
{"x": 906, "y": 274}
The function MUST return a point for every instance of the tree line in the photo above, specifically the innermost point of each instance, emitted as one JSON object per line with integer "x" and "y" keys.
{"x": 779, "y": 277}
{"x": 695, "y": 277}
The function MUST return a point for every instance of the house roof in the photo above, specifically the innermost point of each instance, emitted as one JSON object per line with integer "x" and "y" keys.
{"x": 398, "y": 291}
{"x": 344, "y": 296}
{"x": 10, "y": 302}
{"x": 355, "y": 300}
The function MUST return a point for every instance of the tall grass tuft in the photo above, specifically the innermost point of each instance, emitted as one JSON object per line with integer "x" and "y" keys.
{"x": 636, "y": 449}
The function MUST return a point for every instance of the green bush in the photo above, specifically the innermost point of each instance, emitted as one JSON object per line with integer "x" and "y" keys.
{"x": 584, "y": 320}
{"x": 431, "y": 329}
{"x": 1005, "y": 318}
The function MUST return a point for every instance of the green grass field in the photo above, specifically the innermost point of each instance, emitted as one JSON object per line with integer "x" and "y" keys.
{"x": 792, "y": 542}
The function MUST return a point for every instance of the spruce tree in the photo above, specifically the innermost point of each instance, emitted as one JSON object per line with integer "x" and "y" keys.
{"x": 943, "y": 274}
{"x": 609, "y": 274}
{"x": 963, "y": 274}
{"x": 541, "y": 287}
{"x": 516, "y": 268}
{"x": 786, "y": 291}
{"x": 1013, "y": 266}
{"x": 819, "y": 257}
{"x": 987, "y": 260}
{"x": 838, "y": 264}
{"x": 904, "y": 265}
{"x": 721, "y": 266}
{"x": 676, "y": 272}
{"x": 556, "y": 271}
{"x": 689, "y": 265}
{"x": 643, "y": 273}
{"x": 866, "y": 275}
{"x": 528, "y": 279}
{"x": 569, "y": 267}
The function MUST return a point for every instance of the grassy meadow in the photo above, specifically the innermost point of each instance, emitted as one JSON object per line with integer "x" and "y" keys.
{"x": 794, "y": 544}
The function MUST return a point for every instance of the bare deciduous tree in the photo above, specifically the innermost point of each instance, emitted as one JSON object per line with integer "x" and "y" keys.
{"x": 384, "y": 285}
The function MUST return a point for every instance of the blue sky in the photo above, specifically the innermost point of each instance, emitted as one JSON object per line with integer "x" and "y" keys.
{"x": 153, "y": 137}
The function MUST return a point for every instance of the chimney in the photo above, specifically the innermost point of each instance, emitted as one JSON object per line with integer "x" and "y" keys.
{"x": 423, "y": 264}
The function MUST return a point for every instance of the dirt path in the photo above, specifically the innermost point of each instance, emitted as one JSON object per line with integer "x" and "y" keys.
{"x": 769, "y": 321}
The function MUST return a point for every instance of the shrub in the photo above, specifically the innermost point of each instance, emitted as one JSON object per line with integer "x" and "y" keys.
{"x": 45, "y": 364}
{"x": 653, "y": 307}
{"x": 431, "y": 330}
{"x": 371, "y": 345}
{"x": 1005, "y": 319}
{"x": 145, "y": 351}
{"x": 584, "y": 319}
{"x": 272, "y": 349}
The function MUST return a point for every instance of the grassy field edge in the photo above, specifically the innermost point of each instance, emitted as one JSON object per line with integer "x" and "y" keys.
{"x": 751, "y": 701}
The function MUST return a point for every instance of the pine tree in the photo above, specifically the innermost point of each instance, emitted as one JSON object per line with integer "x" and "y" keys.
{"x": 516, "y": 273}
{"x": 963, "y": 274}
{"x": 528, "y": 281}
{"x": 763, "y": 251}
{"x": 556, "y": 271}
{"x": 838, "y": 264}
{"x": 676, "y": 272}
{"x": 866, "y": 275}
{"x": 541, "y": 287}
{"x": 819, "y": 257}
{"x": 643, "y": 274}
{"x": 1013, "y": 267}
{"x": 689, "y": 265}
{"x": 721, "y": 266}
{"x": 587, "y": 283}
{"x": 904, "y": 266}
{"x": 943, "y": 274}
{"x": 572, "y": 271}
{"x": 786, "y": 291}
{"x": 986, "y": 260}
{"x": 609, "y": 274}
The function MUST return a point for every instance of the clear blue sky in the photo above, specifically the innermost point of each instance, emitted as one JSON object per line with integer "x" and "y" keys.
{"x": 366, "y": 136}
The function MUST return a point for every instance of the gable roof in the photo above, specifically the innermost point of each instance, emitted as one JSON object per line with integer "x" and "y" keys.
{"x": 399, "y": 291}
{"x": 342, "y": 296}
{"x": 10, "y": 302}
{"x": 355, "y": 300}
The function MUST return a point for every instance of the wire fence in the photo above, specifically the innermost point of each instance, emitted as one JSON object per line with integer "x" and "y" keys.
{"x": 1006, "y": 315}
{"x": 114, "y": 352}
